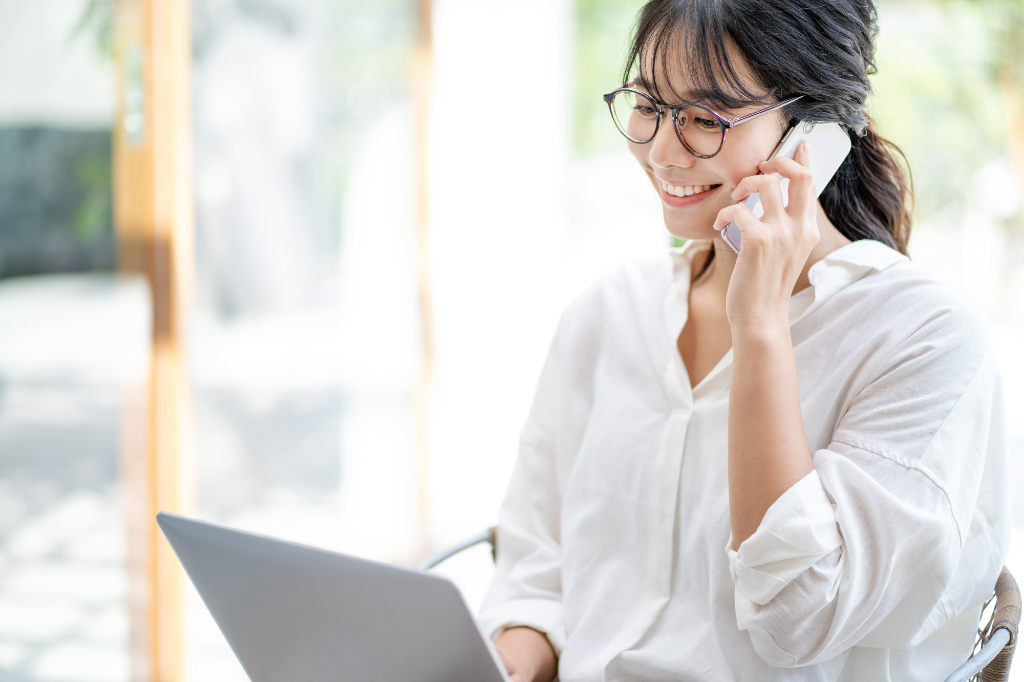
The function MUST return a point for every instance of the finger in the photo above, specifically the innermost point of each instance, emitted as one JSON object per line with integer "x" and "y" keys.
{"x": 802, "y": 192}
{"x": 736, "y": 213}
{"x": 768, "y": 190}
{"x": 803, "y": 154}
{"x": 509, "y": 668}
{"x": 801, "y": 160}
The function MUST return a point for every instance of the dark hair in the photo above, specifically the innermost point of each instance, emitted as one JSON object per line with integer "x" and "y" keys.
{"x": 821, "y": 49}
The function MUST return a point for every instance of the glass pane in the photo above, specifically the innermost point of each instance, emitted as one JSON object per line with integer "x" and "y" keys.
{"x": 74, "y": 336}
{"x": 304, "y": 347}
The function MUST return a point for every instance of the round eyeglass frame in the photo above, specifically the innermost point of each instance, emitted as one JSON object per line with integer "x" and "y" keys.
{"x": 660, "y": 109}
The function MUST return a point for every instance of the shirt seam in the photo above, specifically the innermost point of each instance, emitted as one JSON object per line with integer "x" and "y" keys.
{"x": 960, "y": 397}
{"x": 875, "y": 371}
{"x": 967, "y": 386}
{"x": 925, "y": 471}
{"x": 907, "y": 464}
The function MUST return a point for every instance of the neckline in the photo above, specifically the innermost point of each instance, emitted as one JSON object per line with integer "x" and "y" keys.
{"x": 677, "y": 308}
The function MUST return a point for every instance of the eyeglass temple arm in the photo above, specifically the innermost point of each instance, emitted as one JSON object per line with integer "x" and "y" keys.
{"x": 749, "y": 117}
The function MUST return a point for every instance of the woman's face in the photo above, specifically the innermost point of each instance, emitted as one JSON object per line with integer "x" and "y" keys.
{"x": 670, "y": 166}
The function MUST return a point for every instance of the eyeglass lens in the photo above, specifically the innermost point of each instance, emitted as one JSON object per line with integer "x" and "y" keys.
{"x": 636, "y": 117}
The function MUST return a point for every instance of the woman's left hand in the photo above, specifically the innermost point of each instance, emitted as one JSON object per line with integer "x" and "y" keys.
{"x": 776, "y": 246}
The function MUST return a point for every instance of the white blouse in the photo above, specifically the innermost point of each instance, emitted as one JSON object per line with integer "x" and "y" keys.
{"x": 614, "y": 538}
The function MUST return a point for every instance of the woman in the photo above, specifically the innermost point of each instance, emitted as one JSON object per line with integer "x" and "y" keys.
{"x": 782, "y": 465}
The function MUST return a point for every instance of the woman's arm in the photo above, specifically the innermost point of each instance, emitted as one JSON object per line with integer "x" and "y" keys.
{"x": 767, "y": 448}
{"x": 901, "y": 523}
{"x": 768, "y": 451}
{"x": 527, "y": 655}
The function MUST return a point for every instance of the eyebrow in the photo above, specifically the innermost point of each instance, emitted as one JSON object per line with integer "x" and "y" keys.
{"x": 704, "y": 98}
{"x": 640, "y": 83}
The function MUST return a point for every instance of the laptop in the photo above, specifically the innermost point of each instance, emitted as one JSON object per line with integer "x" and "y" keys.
{"x": 292, "y": 612}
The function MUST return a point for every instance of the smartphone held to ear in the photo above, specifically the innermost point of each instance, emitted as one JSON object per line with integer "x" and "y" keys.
{"x": 829, "y": 147}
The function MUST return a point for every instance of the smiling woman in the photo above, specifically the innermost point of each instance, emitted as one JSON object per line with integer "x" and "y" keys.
{"x": 785, "y": 463}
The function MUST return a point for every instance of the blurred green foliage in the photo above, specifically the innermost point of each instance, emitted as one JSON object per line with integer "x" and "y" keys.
{"x": 603, "y": 29}
{"x": 367, "y": 74}
{"x": 1005, "y": 20}
{"x": 361, "y": 72}
{"x": 93, "y": 178}
{"x": 55, "y": 201}
{"x": 372, "y": 40}
{"x": 938, "y": 95}
{"x": 97, "y": 22}
{"x": 56, "y": 183}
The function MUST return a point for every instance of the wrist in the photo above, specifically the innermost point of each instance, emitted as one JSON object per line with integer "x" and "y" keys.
{"x": 529, "y": 652}
{"x": 760, "y": 329}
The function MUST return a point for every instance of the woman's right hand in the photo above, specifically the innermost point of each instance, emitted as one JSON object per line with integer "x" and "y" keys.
{"x": 511, "y": 667}
{"x": 527, "y": 655}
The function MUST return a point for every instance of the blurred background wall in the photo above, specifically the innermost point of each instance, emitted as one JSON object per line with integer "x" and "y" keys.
{"x": 318, "y": 413}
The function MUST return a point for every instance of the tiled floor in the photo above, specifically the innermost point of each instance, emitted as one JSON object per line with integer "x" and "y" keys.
{"x": 269, "y": 459}
{"x": 62, "y": 579}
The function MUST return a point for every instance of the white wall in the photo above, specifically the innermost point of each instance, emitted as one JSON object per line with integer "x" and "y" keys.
{"x": 499, "y": 219}
{"x": 518, "y": 228}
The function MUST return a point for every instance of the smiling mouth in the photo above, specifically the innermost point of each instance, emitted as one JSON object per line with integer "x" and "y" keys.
{"x": 686, "y": 190}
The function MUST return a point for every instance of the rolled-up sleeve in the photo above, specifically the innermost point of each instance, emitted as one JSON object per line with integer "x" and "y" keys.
{"x": 890, "y": 536}
{"x": 796, "y": 532}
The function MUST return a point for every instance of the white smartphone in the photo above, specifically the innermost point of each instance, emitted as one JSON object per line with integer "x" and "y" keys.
{"x": 830, "y": 145}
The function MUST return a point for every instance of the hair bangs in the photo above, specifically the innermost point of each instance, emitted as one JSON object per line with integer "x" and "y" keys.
{"x": 681, "y": 53}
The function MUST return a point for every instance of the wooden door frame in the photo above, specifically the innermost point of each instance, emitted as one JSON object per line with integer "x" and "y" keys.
{"x": 153, "y": 214}
{"x": 153, "y": 221}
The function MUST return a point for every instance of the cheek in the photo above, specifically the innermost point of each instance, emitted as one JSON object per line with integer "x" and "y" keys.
{"x": 639, "y": 152}
{"x": 744, "y": 149}
{"x": 740, "y": 165}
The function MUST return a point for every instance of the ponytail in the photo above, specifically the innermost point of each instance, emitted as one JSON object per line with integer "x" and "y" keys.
{"x": 868, "y": 197}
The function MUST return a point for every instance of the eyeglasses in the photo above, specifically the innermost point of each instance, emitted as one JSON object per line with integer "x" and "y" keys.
{"x": 700, "y": 130}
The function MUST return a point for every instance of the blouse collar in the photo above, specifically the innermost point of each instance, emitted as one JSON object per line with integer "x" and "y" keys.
{"x": 829, "y": 276}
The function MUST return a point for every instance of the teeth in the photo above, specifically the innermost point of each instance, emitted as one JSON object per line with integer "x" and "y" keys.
{"x": 684, "y": 190}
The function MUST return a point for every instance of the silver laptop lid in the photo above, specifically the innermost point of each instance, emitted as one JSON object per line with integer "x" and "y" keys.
{"x": 292, "y": 612}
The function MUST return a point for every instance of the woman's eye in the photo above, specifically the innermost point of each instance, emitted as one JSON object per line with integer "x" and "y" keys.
{"x": 706, "y": 123}
{"x": 643, "y": 110}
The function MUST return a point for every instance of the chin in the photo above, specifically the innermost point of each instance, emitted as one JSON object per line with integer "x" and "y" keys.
{"x": 689, "y": 231}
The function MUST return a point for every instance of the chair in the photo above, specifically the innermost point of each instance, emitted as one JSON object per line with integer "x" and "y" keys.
{"x": 993, "y": 649}
{"x": 489, "y": 536}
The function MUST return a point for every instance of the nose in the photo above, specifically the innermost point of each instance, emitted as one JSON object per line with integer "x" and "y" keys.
{"x": 666, "y": 151}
